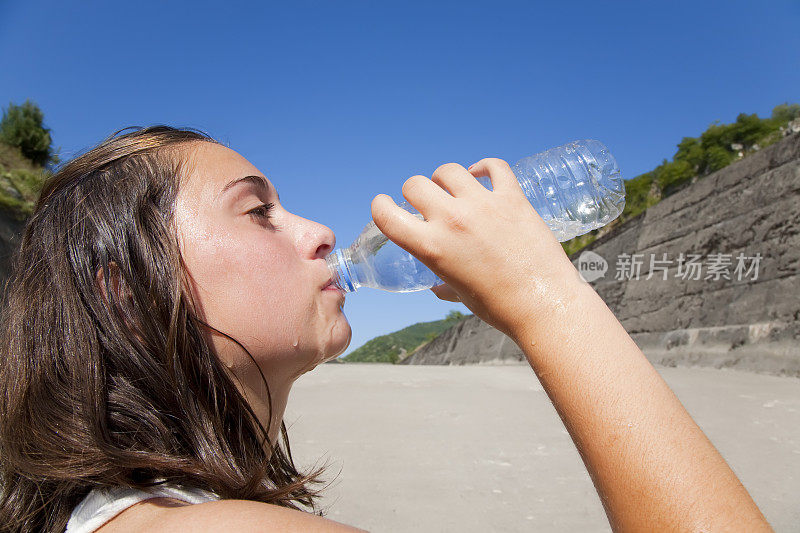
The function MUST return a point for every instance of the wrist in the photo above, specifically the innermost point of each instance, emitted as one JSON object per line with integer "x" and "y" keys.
{"x": 552, "y": 304}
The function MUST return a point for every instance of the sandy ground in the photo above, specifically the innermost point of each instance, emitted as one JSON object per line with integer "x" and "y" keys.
{"x": 480, "y": 448}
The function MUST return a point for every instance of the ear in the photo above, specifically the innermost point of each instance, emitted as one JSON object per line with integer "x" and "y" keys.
{"x": 120, "y": 291}
{"x": 100, "y": 281}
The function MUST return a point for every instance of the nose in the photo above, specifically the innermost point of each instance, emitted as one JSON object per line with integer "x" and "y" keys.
{"x": 317, "y": 240}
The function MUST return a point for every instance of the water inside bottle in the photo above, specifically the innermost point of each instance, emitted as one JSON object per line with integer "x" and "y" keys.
{"x": 392, "y": 268}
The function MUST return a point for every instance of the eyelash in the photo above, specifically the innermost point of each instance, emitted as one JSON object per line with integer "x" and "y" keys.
{"x": 262, "y": 211}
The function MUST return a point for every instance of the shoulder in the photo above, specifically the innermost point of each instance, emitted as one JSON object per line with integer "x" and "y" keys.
{"x": 168, "y": 515}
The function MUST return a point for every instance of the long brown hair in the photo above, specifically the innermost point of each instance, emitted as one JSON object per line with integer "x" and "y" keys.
{"x": 115, "y": 384}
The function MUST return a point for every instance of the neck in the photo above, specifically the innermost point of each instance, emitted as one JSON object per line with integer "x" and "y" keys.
{"x": 256, "y": 396}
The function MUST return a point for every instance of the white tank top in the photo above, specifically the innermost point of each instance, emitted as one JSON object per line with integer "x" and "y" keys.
{"x": 101, "y": 505}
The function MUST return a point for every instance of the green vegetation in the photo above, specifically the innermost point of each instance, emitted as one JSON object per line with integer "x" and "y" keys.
{"x": 23, "y": 127}
{"x": 25, "y": 152}
{"x": 388, "y": 348}
{"x": 717, "y": 147}
{"x": 20, "y": 182}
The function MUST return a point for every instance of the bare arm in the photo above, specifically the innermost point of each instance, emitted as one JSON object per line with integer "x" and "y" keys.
{"x": 652, "y": 466}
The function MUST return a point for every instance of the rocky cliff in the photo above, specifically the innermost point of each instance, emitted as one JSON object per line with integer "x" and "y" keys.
{"x": 10, "y": 233}
{"x": 708, "y": 276}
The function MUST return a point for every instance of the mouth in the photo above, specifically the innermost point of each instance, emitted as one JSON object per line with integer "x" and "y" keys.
{"x": 331, "y": 286}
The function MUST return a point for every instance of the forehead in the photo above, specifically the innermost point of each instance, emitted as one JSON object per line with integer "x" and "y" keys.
{"x": 210, "y": 167}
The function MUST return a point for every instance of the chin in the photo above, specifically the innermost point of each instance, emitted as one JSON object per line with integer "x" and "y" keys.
{"x": 334, "y": 348}
{"x": 338, "y": 348}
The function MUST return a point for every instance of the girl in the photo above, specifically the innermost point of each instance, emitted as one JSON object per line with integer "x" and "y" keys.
{"x": 163, "y": 302}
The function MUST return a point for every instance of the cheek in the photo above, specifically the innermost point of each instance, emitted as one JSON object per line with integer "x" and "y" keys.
{"x": 252, "y": 288}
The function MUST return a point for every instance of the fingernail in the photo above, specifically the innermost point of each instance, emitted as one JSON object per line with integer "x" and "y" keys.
{"x": 471, "y": 166}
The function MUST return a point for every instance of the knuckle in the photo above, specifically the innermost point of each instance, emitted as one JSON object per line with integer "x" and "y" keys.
{"x": 456, "y": 220}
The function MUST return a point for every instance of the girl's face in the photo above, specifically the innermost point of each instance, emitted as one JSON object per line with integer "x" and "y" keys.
{"x": 262, "y": 280}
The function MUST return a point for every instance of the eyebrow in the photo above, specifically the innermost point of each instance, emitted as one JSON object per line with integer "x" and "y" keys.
{"x": 258, "y": 181}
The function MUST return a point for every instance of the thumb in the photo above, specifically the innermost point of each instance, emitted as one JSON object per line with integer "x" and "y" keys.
{"x": 446, "y": 292}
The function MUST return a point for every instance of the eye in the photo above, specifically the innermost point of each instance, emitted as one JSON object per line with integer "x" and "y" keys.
{"x": 263, "y": 211}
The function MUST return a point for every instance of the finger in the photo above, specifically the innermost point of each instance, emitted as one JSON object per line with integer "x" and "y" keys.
{"x": 426, "y": 197}
{"x": 503, "y": 178}
{"x": 446, "y": 292}
{"x": 455, "y": 179}
{"x": 396, "y": 223}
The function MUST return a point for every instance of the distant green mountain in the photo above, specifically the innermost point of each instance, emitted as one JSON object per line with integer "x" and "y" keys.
{"x": 395, "y": 346}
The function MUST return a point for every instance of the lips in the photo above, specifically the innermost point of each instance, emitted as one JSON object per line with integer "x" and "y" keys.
{"x": 331, "y": 286}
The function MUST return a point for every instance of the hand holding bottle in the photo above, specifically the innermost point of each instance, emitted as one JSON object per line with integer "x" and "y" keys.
{"x": 490, "y": 247}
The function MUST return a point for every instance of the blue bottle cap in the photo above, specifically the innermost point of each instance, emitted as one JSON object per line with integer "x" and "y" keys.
{"x": 344, "y": 272}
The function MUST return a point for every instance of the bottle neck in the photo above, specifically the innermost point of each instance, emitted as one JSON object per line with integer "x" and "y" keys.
{"x": 340, "y": 265}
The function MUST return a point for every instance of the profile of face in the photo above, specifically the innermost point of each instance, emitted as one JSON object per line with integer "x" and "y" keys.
{"x": 257, "y": 274}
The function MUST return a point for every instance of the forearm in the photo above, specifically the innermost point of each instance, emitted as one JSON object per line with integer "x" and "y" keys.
{"x": 653, "y": 468}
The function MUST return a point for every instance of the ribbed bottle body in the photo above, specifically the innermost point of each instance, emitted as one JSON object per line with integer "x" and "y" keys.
{"x": 575, "y": 188}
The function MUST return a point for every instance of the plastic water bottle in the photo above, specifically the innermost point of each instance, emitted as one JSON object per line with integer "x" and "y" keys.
{"x": 575, "y": 188}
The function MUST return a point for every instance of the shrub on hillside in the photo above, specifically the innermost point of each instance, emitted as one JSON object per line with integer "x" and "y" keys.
{"x": 22, "y": 126}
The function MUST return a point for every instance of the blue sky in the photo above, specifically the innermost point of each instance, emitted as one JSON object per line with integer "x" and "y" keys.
{"x": 339, "y": 101}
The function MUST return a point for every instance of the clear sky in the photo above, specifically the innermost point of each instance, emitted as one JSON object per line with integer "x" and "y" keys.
{"x": 339, "y": 101}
